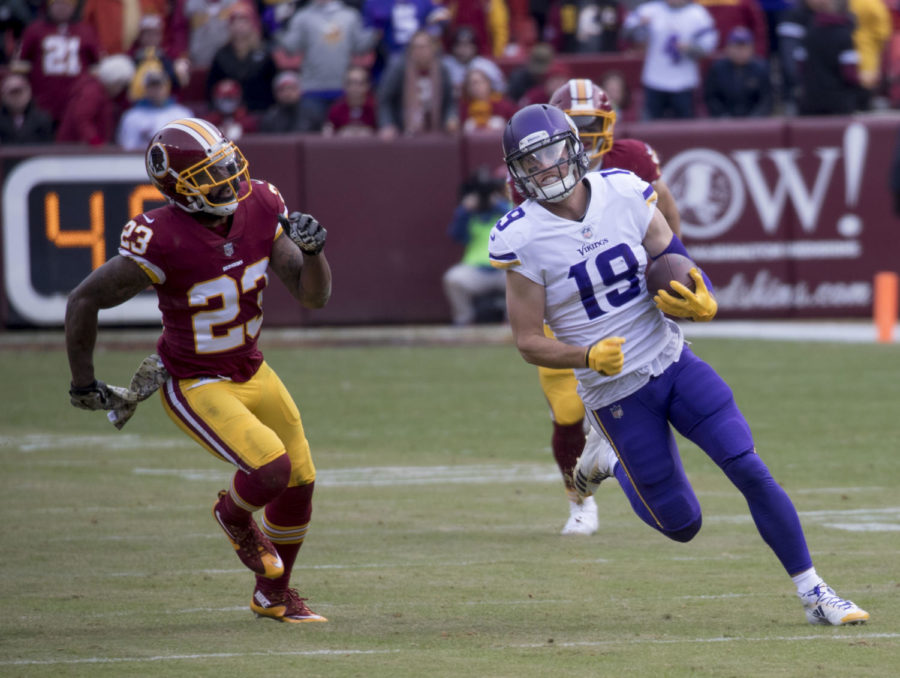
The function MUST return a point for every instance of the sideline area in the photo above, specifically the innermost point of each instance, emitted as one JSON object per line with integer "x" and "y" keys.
{"x": 848, "y": 331}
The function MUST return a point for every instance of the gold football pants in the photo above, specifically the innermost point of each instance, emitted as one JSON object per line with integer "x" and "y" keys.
{"x": 247, "y": 424}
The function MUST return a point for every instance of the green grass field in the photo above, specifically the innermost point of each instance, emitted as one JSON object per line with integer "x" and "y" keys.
{"x": 434, "y": 548}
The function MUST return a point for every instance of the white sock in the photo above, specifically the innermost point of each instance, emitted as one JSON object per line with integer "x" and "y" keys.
{"x": 806, "y": 581}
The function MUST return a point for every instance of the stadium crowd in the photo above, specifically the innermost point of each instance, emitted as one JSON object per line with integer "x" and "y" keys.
{"x": 113, "y": 71}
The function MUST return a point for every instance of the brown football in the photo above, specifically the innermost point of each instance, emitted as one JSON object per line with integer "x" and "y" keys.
{"x": 666, "y": 268}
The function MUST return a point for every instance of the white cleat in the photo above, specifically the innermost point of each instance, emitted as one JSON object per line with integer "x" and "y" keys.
{"x": 582, "y": 517}
{"x": 595, "y": 464}
{"x": 823, "y": 606}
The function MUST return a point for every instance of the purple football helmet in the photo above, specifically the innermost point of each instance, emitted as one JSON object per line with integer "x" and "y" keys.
{"x": 545, "y": 157}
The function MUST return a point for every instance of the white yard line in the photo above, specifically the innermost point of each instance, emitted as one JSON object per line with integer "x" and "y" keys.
{"x": 498, "y": 648}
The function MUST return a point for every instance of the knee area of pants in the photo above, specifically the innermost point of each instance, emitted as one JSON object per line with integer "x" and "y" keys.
{"x": 276, "y": 474}
{"x": 685, "y": 534}
{"x": 747, "y": 470}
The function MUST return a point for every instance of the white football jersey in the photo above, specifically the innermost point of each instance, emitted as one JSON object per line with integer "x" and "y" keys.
{"x": 592, "y": 272}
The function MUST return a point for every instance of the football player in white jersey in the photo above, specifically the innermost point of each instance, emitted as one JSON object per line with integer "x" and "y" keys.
{"x": 575, "y": 254}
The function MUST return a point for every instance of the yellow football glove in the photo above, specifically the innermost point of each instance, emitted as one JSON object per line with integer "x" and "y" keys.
{"x": 606, "y": 356}
{"x": 698, "y": 305}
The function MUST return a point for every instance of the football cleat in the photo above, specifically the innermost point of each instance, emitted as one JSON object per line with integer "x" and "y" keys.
{"x": 582, "y": 518}
{"x": 823, "y": 606}
{"x": 284, "y": 606}
{"x": 595, "y": 464}
{"x": 252, "y": 546}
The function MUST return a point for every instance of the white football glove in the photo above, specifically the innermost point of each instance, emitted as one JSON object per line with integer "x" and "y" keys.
{"x": 99, "y": 396}
{"x": 150, "y": 375}
{"x": 305, "y": 231}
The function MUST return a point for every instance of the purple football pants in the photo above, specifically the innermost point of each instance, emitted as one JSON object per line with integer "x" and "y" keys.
{"x": 699, "y": 404}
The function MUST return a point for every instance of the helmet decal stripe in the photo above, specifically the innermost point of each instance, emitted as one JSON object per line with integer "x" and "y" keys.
{"x": 582, "y": 96}
{"x": 199, "y": 129}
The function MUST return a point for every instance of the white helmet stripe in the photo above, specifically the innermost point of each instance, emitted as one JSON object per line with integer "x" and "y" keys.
{"x": 203, "y": 132}
{"x": 581, "y": 93}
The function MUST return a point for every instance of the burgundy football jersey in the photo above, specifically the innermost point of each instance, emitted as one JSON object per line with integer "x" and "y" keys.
{"x": 58, "y": 54}
{"x": 634, "y": 156}
{"x": 209, "y": 286}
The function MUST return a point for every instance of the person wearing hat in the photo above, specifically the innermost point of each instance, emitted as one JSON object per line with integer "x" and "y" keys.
{"x": 283, "y": 116}
{"x": 229, "y": 113}
{"x": 148, "y": 52}
{"x": 463, "y": 55}
{"x": 56, "y": 31}
{"x": 141, "y": 121}
{"x": 737, "y": 85}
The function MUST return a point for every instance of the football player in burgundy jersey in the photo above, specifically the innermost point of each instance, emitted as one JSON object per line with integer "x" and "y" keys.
{"x": 208, "y": 255}
{"x": 589, "y": 107}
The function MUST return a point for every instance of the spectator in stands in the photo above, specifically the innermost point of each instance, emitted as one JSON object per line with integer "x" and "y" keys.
{"x": 677, "y": 34}
{"x": 481, "y": 106}
{"x": 487, "y": 19}
{"x": 483, "y": 201}
{"x": 531, "y": 73}
{"x": 117, "y": 23}
{"x": 327, "y": 34}
{"x": 96, "y": 101}
{"x": 791, "y": 31}
{"x": 140, "y": 122}
{"x": 275, "y": 15}
{"x": 828, "y": 62}
{"x": 147, "y": 53}
{"x": 395, "y": 22}
{"x": 415, "y": 94}
{"x": 873, "y": 28}
{"x": 229, "y": 113}
{"x": 557, "y": 75}
{"x": 599, "y": 26}
{"x": 354, "y": 112}
{"x": 463, "y": 55}
{"x": 208, "y": 28}
{"x": 284, "y": 115}
{"x": 56, "y": 51}
{"x": 729, "y": 14}
{"x": 244, "y": 58}
{"x": 737, "y": 85}
{"x": 21, "y": 121}
{"x": 15, "y": 15}
{"x": 619, "y": 94}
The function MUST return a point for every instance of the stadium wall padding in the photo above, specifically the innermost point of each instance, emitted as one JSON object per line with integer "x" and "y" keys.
{"x": 790, "y": 217}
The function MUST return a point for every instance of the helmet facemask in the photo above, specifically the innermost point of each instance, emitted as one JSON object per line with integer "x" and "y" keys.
{"x": 548, "y": 172}
{"x": 595, "y": 129}
{"x": 218, "y": 183}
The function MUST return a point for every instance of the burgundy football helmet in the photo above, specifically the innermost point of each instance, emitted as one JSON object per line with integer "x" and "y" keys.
{"x": 192, "y": 163}
{"x": 589, "y": 106}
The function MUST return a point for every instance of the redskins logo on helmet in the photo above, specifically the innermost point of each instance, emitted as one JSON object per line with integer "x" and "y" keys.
{"x": 590, "y": 108}
{"x": 192, "y": 163}
{"x": 157, "y": 161}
